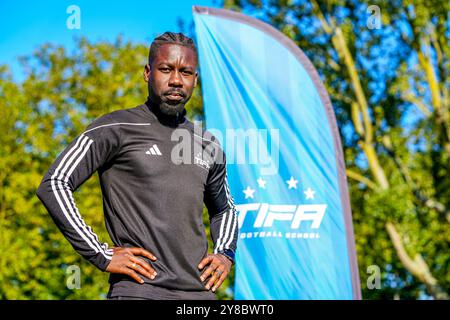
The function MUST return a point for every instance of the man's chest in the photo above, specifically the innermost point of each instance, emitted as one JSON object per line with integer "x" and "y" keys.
{"x": 167, "y": 158}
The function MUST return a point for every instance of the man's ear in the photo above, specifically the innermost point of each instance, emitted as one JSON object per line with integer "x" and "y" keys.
{"x": 147, "y": 70}
{"x": 196, "y": 78}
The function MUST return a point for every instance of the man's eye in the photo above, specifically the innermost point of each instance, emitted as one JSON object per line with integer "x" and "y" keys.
{"x": 186, "y": 73}
{"x": 164, "y": 69}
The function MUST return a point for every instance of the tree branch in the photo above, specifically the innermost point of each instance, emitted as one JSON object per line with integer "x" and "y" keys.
{"x": 341, "y": 47}
{"x": 418, "y": 194}
{"x": 411, "y": 98}
{"x": 360, "y": 178}
{"x": 417, "y": 266}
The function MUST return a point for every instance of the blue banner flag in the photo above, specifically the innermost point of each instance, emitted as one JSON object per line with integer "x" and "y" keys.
{"x": 265, "y": 103}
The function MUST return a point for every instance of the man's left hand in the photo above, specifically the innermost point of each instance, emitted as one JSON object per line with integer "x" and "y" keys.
{"x": 218, "y": 269}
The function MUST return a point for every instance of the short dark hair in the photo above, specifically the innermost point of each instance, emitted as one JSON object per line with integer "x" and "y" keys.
{"x": 170, "y": 38}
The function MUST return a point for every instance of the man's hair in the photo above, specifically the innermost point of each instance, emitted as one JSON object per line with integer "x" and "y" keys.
{"x": 170, "y": 38}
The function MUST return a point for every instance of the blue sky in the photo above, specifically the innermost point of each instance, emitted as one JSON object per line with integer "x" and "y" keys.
{"x": 27, "y": 24}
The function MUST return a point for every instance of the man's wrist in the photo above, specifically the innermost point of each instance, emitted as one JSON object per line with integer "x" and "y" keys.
{"x": 228, "y": 253}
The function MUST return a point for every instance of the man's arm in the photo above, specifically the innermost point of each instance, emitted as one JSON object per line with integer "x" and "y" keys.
{"x": 94, "y": 148}
{"x": 224, "y": 225}
{"x": 73, "y": 166}
{"x": 222, "y": 212}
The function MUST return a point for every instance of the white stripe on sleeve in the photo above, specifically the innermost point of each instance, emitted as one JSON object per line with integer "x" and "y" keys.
{"x": 76, "y": 221}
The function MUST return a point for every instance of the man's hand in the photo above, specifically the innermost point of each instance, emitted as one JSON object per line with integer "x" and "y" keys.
{"x": 124, "y": 261}
{"x": 219, "y": 268}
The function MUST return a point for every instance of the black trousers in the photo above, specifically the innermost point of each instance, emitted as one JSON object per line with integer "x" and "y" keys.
{"x": 127, "y": 298}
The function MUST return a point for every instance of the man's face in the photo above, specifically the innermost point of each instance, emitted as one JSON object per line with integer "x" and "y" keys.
{"x": 172, "y": 77}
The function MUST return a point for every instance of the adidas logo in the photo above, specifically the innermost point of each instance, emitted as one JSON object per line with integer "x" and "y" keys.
{"x": 154, "y": 150}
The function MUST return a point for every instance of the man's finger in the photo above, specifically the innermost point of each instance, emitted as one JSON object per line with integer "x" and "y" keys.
{"x": 205, "y": 261}
{"x": 139, "y": 266}
{"x": 207, "y": 272}
{"x": 143, "y": 264}
{"x": 219, "y": 282}
{"x": 216, "y": 274}
{"x": 133, "y": 275}
{"x": 143, "y": 252}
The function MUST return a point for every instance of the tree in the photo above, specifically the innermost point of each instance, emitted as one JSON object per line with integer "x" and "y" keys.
{"x": 390, "y": 90}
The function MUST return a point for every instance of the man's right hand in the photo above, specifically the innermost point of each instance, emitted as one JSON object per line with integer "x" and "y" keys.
{"x": 125, "y": 261}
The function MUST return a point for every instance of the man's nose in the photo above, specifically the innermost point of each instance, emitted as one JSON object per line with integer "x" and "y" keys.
{"x": 175, "y": 79}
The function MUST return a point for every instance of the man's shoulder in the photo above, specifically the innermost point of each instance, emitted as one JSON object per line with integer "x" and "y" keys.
{"x": 112, "y": 120}
{"x": 126, "y": 115}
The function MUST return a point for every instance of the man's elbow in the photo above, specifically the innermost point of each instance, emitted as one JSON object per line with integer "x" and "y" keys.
{"x": 41, "y": 191}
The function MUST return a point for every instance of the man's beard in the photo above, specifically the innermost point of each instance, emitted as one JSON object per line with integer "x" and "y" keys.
{"x": 172, "y": 109}
{"x": 167, "y": 107}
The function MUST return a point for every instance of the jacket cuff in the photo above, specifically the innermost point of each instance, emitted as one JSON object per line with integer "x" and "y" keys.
{"x": 100, "y": 262}
{"x": 228, "y": 253}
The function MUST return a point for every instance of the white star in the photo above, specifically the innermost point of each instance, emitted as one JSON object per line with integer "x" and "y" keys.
{"x": 292, "y": 183}
{"x": 261, "y": 183}
{"x": 309, "y": 193}
{"x": 249, "y": 192}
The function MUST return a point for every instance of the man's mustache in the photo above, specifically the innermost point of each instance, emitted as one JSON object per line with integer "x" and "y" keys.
{"x": 181, "y": 93}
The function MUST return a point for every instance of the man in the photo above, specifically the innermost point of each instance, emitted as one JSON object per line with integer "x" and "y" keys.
{"x": 153, "y": 190}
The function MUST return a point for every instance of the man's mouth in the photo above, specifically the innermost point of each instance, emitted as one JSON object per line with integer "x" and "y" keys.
{"x": 175, "y": 96}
